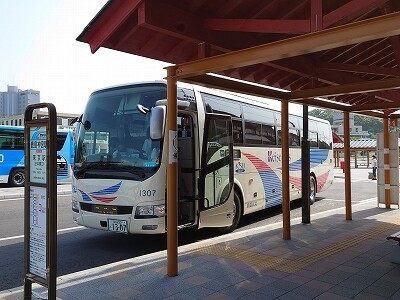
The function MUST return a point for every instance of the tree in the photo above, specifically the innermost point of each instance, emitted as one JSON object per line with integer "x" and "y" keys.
{"x": 370, "y": 124}
{"x": 325, "y": 114}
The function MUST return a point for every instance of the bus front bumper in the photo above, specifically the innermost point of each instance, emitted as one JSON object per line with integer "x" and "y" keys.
{"x": 119, "y": 223}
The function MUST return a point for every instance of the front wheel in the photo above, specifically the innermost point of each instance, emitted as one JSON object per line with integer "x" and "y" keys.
{"x": 237, "y": 214}
{"x": 17, "y": 177}
{"x": 313, "y": 189}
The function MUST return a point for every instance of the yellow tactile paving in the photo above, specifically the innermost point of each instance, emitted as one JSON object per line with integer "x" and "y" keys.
{"x": 288, "y": 265}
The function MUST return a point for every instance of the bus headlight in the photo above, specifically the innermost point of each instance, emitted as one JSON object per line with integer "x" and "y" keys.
{"x": 75, "y": 206}
{"x": 150, "y": 211}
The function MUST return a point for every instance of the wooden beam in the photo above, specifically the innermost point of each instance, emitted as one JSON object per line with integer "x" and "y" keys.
{"x": 345, "y": 89}
{"x": 323, "y": 104}
{"x": 375, "y": 106}
{"x": 234, "y": 86}
{"x": 358, "y": 32}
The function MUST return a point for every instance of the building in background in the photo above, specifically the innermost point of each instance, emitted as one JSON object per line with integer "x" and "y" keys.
{"x": 14, "y": 101}
{"x": 13, "y": 104}
{"x": 63, "y": 119}
{"x": 356, "y": 132}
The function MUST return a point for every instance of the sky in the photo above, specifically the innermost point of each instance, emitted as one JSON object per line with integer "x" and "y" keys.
{"x": 39, "y": 51}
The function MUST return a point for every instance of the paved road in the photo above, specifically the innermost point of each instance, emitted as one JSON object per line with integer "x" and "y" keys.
{"x": 81, "y": 248}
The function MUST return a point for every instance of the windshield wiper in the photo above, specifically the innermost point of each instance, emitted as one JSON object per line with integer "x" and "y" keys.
{"x": 94, "y": 165}
{"x": 110, "y": 166}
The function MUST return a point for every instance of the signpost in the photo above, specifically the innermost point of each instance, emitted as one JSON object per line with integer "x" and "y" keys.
{"x": 40, "y": 203}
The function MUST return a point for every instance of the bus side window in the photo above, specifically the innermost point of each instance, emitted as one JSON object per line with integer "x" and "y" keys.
{"x": 7, "y": 144}
{"x": 237, "y": 132}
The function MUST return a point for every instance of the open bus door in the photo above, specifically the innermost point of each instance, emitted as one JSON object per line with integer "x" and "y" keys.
{"x": 216, "y": 176}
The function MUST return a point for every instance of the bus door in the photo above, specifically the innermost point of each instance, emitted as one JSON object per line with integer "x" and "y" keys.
{"x": 186, "y": 172}
{"x": 216, "y": 175}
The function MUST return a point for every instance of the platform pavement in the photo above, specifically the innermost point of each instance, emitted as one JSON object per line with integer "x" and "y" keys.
{"x": 331, "y": 258}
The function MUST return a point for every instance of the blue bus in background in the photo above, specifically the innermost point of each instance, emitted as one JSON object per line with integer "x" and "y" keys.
{"x": 12, "y": 155}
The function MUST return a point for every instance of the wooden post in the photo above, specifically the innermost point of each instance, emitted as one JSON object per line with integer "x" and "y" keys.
{"x": 172, "y": 174}
{"x": 285, "y": 169}
{"x": 347, "y": 170}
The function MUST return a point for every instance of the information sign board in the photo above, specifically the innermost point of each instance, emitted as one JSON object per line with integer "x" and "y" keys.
{"x": 37, "y": 232}
{"x": 38, "y": 154}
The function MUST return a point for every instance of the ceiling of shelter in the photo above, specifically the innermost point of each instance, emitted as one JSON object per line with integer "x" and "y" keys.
{"x": 179, "y": 31}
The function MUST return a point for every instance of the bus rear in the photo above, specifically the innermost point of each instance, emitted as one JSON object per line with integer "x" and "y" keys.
{"x": 65, "y": 155}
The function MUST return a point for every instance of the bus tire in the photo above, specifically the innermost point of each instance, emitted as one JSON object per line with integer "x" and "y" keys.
{"x": 313, "y": 189}
{"x": 17, "y": 177}
{"x": 237, "y": 214}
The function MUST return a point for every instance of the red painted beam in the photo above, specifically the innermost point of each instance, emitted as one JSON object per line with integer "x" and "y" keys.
{"x": 350, "y": 11}
{"x": 107, "y": 22}
{"x": 316, "y": 15}
{"x": 360, "y": 69}
{"x": 156, "y": 15}
{"x": 258, "y": 25}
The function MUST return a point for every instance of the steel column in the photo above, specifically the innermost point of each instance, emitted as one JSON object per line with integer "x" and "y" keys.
{"x": 305, "y": 170}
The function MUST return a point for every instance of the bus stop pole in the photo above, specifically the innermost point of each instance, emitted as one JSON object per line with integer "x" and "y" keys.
{"x": 172, "y": 183}
{"x": 347, "y": 173}
{"x": 285, "y": 169}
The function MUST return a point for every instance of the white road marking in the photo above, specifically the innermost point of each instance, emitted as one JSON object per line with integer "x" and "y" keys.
{"x": 22, "y": 236}
{"x": 22, "y": 198}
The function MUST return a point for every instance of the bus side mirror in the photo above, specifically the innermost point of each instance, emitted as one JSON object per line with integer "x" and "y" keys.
{"x": 157, "y": 122}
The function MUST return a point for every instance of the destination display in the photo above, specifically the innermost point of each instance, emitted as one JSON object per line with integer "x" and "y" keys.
{"x": 38, "y": 154}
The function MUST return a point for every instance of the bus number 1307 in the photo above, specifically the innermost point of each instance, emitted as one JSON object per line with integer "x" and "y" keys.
{"x": 147, "y": 193}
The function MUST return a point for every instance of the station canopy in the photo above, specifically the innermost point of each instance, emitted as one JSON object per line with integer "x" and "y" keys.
{"x": 341, "y": 54}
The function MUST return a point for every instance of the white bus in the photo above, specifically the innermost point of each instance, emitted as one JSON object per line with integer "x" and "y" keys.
{"x": 229, "y": 158}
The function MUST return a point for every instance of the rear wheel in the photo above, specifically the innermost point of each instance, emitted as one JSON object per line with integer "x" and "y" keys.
{"x": 313, "y": 189}
{"x": 17, "y": 177}
{"x": 237, "y": 214}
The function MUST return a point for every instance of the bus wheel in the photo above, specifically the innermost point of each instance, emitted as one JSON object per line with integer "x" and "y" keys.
{"x": 17, "y": 177}
{"x": 313, "y": 189}
{"x": 237, "y": 214}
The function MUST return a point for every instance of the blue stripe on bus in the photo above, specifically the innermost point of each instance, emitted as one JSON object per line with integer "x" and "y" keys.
{"x": 316, "y": 157}
{"x": 107, "y": 191}
{"x": 110, "y": 190}
{"x": 271, "y": 182}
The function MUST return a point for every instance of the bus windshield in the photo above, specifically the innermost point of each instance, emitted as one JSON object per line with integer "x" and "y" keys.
{"x": 114, "y": 137}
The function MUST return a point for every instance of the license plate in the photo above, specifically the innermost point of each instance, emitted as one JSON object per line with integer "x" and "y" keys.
{"x": 117, "y": 226}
